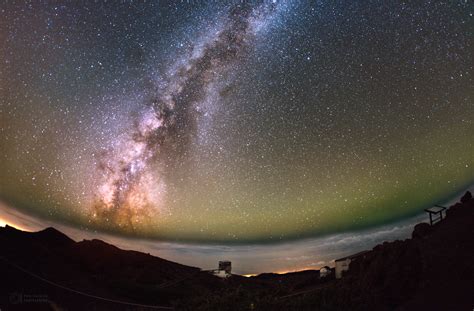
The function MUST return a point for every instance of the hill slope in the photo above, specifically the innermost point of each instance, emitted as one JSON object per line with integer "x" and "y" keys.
{"x": 46, "y": 270}
{"x": 433, "y": 270}
{"x": 90, "y": 267}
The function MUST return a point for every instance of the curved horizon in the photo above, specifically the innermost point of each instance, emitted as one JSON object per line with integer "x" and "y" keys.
{"x": 234, "y": 123}
{"x": 248, "y": 259}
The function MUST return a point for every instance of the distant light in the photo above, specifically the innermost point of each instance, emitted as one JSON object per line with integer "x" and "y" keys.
{"x": 249, "y": 275}
{"x": 3, "y": 223}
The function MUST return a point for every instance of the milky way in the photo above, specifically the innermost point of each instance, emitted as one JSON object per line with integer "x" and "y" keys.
{"x": 234, "y": 122}
{"x": 170, "y": 121}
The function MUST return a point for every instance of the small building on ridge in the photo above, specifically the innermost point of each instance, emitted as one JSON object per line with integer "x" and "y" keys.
{"x": 342, "y": 264}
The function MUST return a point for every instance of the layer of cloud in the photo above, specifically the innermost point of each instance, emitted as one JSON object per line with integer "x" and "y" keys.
{"x": 310, "y": 253}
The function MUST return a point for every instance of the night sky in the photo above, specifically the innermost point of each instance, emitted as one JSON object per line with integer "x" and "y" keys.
{"x": 234, "y": 123}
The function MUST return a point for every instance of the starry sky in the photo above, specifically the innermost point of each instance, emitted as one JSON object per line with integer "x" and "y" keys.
{"x": 234, "y": 122}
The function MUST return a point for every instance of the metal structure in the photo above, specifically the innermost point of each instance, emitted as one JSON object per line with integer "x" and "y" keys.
{"x": 436, "y": 213}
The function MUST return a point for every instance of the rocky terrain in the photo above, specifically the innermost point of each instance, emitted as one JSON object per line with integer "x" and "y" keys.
{"x": 46, "y": 270}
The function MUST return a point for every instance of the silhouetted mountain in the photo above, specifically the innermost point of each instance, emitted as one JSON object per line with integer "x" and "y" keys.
{"x": 432, "y": 271}
{"x": 89, "y": 266}
{"x": 47, "y": 270}
{"x": 52, "y": 237}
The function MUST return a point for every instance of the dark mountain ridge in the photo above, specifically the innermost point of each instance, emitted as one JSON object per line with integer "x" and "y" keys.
{"x": 47, "y": 270}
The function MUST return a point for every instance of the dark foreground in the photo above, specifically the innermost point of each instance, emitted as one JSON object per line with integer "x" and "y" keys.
{"x": 47, "y": 270}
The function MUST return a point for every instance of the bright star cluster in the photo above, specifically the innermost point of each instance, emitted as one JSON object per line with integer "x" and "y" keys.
{"x": 234, "y": 122}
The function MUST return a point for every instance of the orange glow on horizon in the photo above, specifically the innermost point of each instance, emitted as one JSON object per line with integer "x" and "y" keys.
{"x": 284, "y": 271}
{"x": 4, "y": 222}
{"x": 249, "y": 275}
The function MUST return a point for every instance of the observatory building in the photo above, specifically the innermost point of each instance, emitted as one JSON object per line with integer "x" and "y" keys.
{"x": 342, "y": 264}
{"x": 224, "y": 270}
{"x": 324, "y": 272}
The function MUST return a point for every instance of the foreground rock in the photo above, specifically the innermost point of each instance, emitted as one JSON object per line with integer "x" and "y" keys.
{"x": 433, "y": 270}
